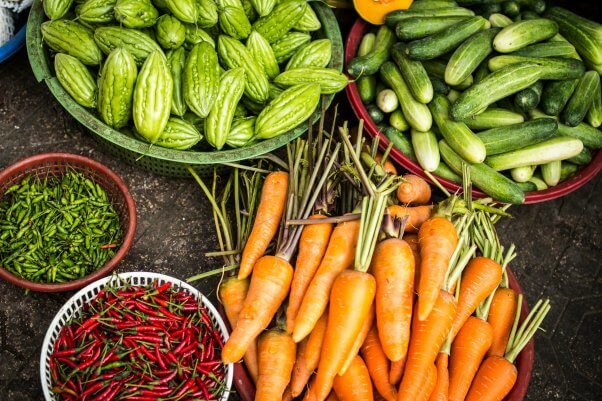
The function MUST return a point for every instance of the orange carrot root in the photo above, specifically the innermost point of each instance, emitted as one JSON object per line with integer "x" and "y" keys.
{"x": 416, "y": 215}
{"x": 493, "y": 381}
{"x": 414, "y": 189}
{"x": 501, "y": 316}
{"x": 441, "y": 390}
{"x": 308, "y": 356}
{"x": 276, "y": 358}
{"x": 378, "y": 365}
{"x": 355, "y": 384}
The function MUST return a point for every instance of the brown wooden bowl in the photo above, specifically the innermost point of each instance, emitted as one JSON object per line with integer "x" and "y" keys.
{"x": 55, "y": 164}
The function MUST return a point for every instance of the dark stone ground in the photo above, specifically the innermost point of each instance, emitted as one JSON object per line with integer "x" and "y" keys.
{"x": 559, "y": 246}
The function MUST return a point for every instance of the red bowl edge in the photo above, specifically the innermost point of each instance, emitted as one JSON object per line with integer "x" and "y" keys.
{"x": 114, "y": 261}
{"x": 357, "y": 31}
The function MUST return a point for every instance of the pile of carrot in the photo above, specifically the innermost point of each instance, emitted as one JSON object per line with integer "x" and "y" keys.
{"x": 353, "y": 284}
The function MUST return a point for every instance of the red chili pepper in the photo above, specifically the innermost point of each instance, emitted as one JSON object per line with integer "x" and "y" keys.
{"x": 172, "y": 358}
{"x": 109, "y": 393}
{"x": 68, "y": 362}
{"x": 169, "y": 314}
{"x": 89, "y": 390}
{"x": 163, "y": 287}
{"x": 90, "y": 361}
{"x": 140, "y": 398}
{"x": 159, "y": 358}
{"x": 165, "y": 379}
{"x": 155, "y": 392}
{"x": 185, "y": 388}
{"x": 149, "y": 339}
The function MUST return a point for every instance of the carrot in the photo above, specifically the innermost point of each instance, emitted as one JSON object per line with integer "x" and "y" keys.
{"x": 501, "y": 315}
{"x": 441, "y": 390}
{"x": 355, "y": 384}
{"x": 357, "y": 344}
{"x": 350, "y": 301}
{"x": 480, "y": 278}
{"x": 338, "y": 257}
{"x": 276, "y": 358}
{"x": 413, "y": 189}
{"x": 438, "y": 239}
{"x": 393, "y": 269}
{"x": 287, "y": 396}
{"x": 232, "y": 293}
{"x": 378, "y": 365}
{"x": 396, "y": 371}
{"x": 412, "y": 240}
{"x": 494, "y": 380}
{"x": 429, "y": 384}
{"x": 496, "y": 375}
{"x": 417, "y": 215}
{"x": 267, "y": 220}
{"x": 389, "y": 167}
{"x": 308, "y": 356}
{"x": 312, "y": 246}
{"x": 269, "y": 286}
{"x": 427, "y": 338}
{"x": 467, "y": 352}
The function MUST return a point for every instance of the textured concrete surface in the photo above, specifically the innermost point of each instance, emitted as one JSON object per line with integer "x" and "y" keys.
{"x": 558, "y": 243}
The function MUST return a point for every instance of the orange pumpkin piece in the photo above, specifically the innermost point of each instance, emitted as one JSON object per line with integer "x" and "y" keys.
{"x": 374, "y": 11}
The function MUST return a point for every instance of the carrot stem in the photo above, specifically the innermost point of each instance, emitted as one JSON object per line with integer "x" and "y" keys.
{"x": 211, "y": 273}
{"x": 334, "y": 219}
{"x": 437, "y": 183}
{"x": 354, "y": 156}
{"x": 244, "y": 167}
{"x": 528, "y": 329}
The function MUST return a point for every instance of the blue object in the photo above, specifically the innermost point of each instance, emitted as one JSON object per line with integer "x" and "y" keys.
{"x": 13, "y": 45}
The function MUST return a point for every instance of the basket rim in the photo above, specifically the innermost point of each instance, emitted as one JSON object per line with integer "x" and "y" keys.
{"x": 129, "y": 231}
{"x": 41, "y": 68}
{"x": 98, "y": 284}
{"x": 564, "y": 188}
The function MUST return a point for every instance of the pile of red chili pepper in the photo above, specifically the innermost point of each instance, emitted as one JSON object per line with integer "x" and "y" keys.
{"x": 139, "y": 343}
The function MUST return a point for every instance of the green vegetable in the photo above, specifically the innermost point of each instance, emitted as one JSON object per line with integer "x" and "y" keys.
{"x": 554, "y": 68}
{"x": 528, "y": 99}
{"x": 394, "y": 17}
{"x": 371, "y": 62}
{"x": 488, "y": 180}
{"x": 176, "y": 60}
{"x": 539, "y": 183}
{"x": 57, "y": 228}
{"x": 386, "y": 100}
{"x": 527, "y": 186}
{"x": 56, "y": 9}
{"x": 426, "y": 149}
{"x": 417, "y": 114}
{"x": 584, "y": 34}
{"x": 567, "y": 170}
{"x": 263, "y": 7}
{"x": 445, "y": 40}
{"x": 170, "y": 32}
{"x": 400, "y": 141}
{"x": 556, "y": 148}
{"x": 178, "y": 134}
{"x": 329, "y": 79}
{"x": 493, "y": 117}
{"x": 466, "y": 58}
{"x": 551, "y": 173}
{"x": 590, "y": 136}
{"x": 499, "y": 20}
{"x": 580, "y": 102}
{"x": 414, "y": 74}
{"x": 547, "y": 49}
{"x": 241, "y": 132}
{"x": 375, "y": 113}
{"x": 594, "y": 114}
{"x": 282, "y": 19}
{"x": 184, "y": 10}
{"x": 523, "y": 33}
{"x": 522, "y": 174}
{"x": 421, "y": 27}
{"x": 96, "y": 11}
{"x": 583, "y": 158}
{"x": 398, "y": 121}
{"x": 138, "y": 44}
{"x": 261, "y": 51}
{"x": 72, "y": 38}
{"x": 289, "y": 44}
{"x": 496, "y": 86}
{"x": 232, "y": 19}
{"x": 201, "y": 79}
{"x": 116, "y": 88}
{"x": 76, "y": 79}
{"x": 135, "y": 13}
{"x": 516, "y": 136}
{"x": 457, "y": 134}
{"x": 556, "y": 94}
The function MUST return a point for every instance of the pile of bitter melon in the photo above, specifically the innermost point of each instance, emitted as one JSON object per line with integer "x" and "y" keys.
{"x": 232, "y": 72}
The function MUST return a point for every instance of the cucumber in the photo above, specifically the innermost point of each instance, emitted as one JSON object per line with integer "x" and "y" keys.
{"x": 426, "y": 149}
{"x": 590, "y": 136}
{"x": 556, "y": 94}
{"x": 371, "y": 62}
{"x": 584, "y": 34}
{"x": 453, "y": 95}
{"x": 468, "y": 145}
{"x": 594, "y": 67}
{"x": 484, "y": 177}
{"x": 399, "y": 140}
{"x": 567, "y": 170}
{"x": 436, "y": 68}
{"x": 528, "y": 99}
{"x": 439, "y": 86}
{"x": 445, "y": 40}
{"x": 398, "y": 121}
{"x": 413, "y": 74}
{"x": 527, "y": 15}
{"x": 556, "y": 148}
{"x": 551, "y": 172}
{"x": 594, "y": 114}
{"x": 536, "y": 6}
{"x": 552, "y": 68}
{"x": 583, "y": 158}
{"x": 366, "y": 85}
{"x": 539, "y": 183}
{"x": 499, "y": 20}
{"x": 516, "y": 136}
{"x": 444, "y": 171}
{"x": 493, "y": 117}
{"x": 394, "y": 17}
{"x": 560, "y": 38}
{"x": 527, "y": 186}
{"x": 511, "y": 8}
{"x": 522, "y": 174}
{"x": 466, "y": 58}
{"x": 421, "y": 27}
{"x": 375, "y": 113}
{"x": 547, "y": 49}
{"x": 495, "y": 86}
{"x": 386, "y": 100}
{"x": 587, "y": 88}
{"x": 431, "y": 4}
{"x": 486, "y": 10}
{"x": 481, "y": 72}
{"x": 417, "y": 114}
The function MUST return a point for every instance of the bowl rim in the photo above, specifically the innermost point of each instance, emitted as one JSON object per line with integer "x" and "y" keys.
{"x": 569, "y": 185}
{"x": 524, "y": 362}
{"x": 78, "y": 296}
{"x": 129, "y": 231}
{"x": 42, "y": 72}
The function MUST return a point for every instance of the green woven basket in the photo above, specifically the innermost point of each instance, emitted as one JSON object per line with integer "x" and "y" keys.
{"x": 156, "y": 159}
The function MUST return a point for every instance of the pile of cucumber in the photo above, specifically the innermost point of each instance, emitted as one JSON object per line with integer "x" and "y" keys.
{"x": 508, "y": 87}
